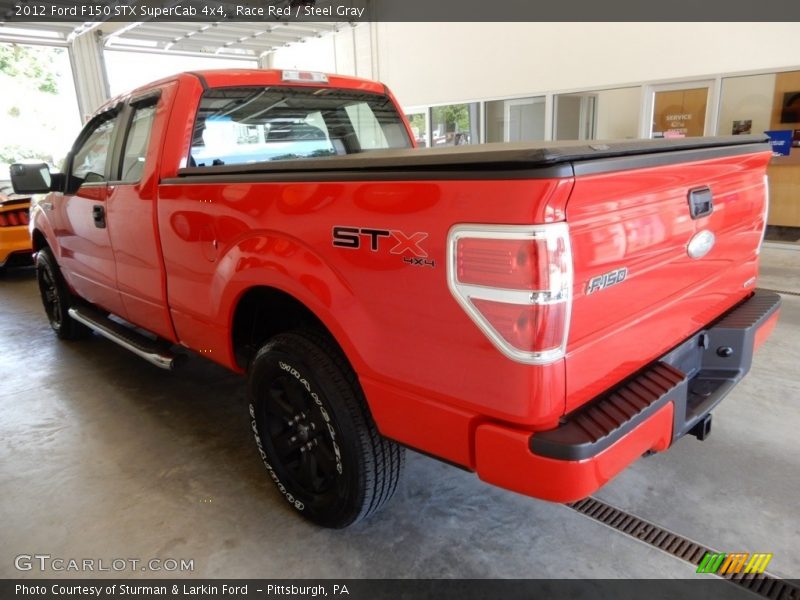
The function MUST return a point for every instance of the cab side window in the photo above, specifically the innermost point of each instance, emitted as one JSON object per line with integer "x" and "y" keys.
{"x": 89, "y": 162}
{"x": 135, "y": 152}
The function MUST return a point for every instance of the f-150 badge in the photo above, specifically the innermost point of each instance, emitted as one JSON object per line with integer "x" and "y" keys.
{"x": 606, "y": 280}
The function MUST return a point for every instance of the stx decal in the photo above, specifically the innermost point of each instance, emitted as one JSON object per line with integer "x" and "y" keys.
{"x": 408, "y": 245}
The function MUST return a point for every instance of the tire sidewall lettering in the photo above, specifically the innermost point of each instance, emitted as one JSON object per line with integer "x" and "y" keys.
{"x": 273, "y": 475}
{"x": 290, "y": 498}
{"x": 323, "y": 411}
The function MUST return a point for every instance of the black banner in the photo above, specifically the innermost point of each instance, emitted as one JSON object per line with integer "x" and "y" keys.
{"x": 355, "y": 11}
{"x": 376, "y": 589}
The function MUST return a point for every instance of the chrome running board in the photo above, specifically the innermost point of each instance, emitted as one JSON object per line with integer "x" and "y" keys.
{"x": 152, "y": 351}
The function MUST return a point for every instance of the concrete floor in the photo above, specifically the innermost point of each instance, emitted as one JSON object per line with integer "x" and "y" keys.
{"x": 104, "y": 456}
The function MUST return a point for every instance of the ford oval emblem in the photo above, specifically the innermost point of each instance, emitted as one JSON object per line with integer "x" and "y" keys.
{"x": 701, "y": 244}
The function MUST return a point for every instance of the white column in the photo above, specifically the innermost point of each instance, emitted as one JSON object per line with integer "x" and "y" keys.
{"x": 361, "y": 48}
{"x": 375, "y": 70}
{"x": 266, "y": 60}
{"x": 89, "y": 72}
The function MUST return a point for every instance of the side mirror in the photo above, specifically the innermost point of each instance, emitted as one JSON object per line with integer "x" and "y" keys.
{"x": 31, "y": 179}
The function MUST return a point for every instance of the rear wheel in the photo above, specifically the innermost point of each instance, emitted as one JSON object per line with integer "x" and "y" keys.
{"x": 315, "y": 434}
{"x": 57, "y": 298}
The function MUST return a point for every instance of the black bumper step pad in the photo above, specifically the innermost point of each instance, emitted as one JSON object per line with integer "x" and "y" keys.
{"x": 595, "y": 426}
{"x": 695, "y": 376}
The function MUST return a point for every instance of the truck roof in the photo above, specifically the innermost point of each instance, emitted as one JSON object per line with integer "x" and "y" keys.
{"x": 233, "y": 77}
{"x": 245, "y": 77}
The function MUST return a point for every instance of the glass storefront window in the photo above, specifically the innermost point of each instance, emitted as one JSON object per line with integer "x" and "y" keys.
{"x": 515, "y": 120}
{"x": 746, "y": 105}
{"x": 763, "y": 103}
{"x": 455, "y": 124}
{"x": 574, "y": 116}
{"x": 680, "y": 110}
{"x": 419, "y": 128}
{"x": 602, "y": 115}
{"x": 618, "y": 113}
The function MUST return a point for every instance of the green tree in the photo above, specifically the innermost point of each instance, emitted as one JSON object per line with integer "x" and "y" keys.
{"x": 457, "y": 117}
{"x": 417, "y": 123}
{"x": 11, "y": 153}
{"x": 451, "y": 118}
{"x": 30, "y": 81}
{"x": 417, "y": 120}
{"x": 31, "y": 64}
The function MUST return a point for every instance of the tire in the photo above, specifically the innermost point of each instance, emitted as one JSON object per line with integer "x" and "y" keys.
{"x": 315, "y": 434}
{"x": 57, "y": 298}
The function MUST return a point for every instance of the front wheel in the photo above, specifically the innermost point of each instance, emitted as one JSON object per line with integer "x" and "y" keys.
{"x": 57, "y": 298}
{"x": 315, "y": 434}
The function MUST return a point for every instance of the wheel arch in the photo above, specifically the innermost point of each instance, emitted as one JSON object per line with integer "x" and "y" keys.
{"x": 263, "y": 311}
{"x": 38, "y": 240}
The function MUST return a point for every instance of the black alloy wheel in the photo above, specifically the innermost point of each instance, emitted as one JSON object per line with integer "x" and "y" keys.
{"x": 314, "y": 431}
{"x": 300, "y": 438}
{"x": 56, "y": 298}
{"x": 50, "y": 297}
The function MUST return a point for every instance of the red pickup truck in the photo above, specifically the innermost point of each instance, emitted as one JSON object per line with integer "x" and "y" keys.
{"x": 540, "y": 314}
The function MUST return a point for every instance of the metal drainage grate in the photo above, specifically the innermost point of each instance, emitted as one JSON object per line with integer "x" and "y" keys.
{"x": 786, "y": 292}
{"x": 764, "y": 584}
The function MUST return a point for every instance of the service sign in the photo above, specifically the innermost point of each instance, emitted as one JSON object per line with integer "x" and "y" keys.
{"x": 781, "y": 141}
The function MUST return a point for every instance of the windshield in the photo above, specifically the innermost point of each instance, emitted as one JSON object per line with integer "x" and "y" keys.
{"x": 242, "y": 125}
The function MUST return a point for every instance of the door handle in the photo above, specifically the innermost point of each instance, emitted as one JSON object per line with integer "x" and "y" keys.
{"x": 99, "y": 216}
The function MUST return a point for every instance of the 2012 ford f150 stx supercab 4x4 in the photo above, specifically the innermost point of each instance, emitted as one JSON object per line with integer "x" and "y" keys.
{"x": 540, "y": 314}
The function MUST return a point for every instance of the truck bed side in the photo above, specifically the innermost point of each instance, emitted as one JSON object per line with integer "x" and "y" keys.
{"x": 431, "y": 376}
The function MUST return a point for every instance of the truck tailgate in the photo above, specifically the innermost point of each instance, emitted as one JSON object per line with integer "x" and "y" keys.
{"x": 637, "y": 291}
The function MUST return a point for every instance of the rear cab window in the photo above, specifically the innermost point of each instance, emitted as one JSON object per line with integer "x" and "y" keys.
{"x": 241, "y": 125}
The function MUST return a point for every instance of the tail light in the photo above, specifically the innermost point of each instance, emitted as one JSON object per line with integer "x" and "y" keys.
{"x": 515, "y": 283}
{"x": 304, "y": 76}
{"x": 14, "y": 218}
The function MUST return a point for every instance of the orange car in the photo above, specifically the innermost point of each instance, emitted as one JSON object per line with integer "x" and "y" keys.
{"x": 15, "y": 240}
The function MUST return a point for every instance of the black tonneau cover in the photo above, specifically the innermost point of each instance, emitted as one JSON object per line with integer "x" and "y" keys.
{"x": 500, "y": 157}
